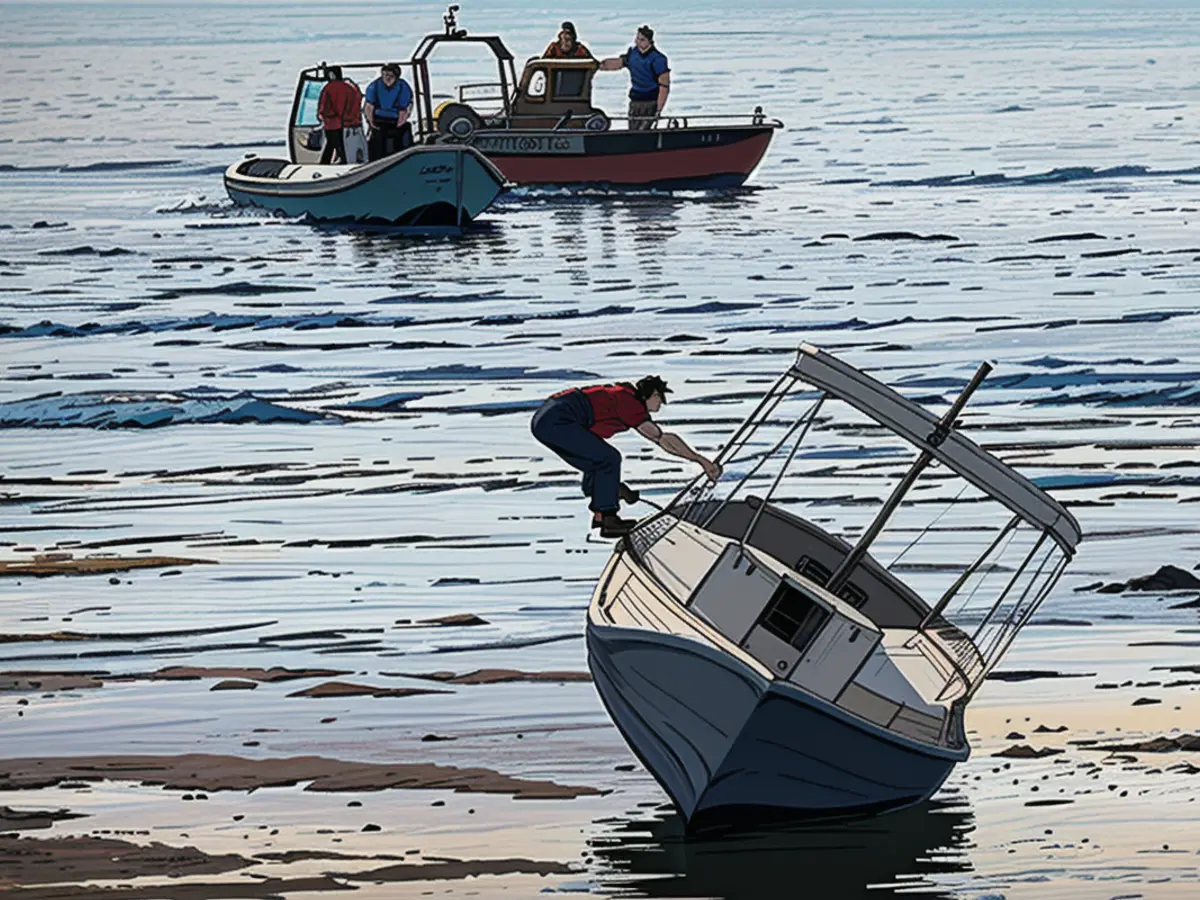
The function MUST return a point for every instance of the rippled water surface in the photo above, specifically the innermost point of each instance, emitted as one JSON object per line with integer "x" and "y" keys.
{"x": 337, "y": 420}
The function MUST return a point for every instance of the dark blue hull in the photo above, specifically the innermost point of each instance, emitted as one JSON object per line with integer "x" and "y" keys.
{"x": 726, "y": 744}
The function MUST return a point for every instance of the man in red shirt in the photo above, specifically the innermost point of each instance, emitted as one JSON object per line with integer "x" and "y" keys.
{"x": 340, "y": 109}
{"x": 567, "y": 45}
{"x": 575, "y": 423}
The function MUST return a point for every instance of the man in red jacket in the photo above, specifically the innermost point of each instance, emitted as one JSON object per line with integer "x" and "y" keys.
{"x": 339, "y": 108}
{"x": 574, "y": 424}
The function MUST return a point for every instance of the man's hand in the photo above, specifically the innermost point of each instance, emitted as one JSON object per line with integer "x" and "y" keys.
{"x": 711, "y": 469}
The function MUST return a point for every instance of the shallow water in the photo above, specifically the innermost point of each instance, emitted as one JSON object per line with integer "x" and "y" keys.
{"x": 338, "y": 419}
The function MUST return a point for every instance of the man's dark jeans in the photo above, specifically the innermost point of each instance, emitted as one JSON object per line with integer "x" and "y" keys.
{"x": 387, "y": 138}
{"x": 561, "y": 423}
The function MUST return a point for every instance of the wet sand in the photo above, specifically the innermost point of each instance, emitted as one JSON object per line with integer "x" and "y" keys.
{"x": 1086, "y": 757}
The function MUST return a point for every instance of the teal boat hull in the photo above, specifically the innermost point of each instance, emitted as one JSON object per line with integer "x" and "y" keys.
{"x": 421, "y": 186}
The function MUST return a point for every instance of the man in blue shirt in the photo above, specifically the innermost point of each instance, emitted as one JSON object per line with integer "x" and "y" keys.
{"x": 649, "y": 77}
{"x": 389, "y": 101}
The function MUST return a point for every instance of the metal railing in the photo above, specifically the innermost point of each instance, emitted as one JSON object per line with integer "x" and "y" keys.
{"x": 502, "y": 119}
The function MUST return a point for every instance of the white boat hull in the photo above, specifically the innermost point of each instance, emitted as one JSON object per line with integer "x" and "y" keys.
{"x": 420, "y": 186}
{"x": 728, "y": 744}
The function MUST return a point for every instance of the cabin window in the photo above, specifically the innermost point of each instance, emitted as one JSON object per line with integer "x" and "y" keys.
{"x": 819, "y": 573}
{"x": 537, "y": 86}
{"x": 306, "y": 109}
{"x": 569, "y": 84}
{"x": 793, "y": 617}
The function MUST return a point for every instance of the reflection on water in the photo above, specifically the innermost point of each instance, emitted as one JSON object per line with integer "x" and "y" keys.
{"x": 877, "y": 857}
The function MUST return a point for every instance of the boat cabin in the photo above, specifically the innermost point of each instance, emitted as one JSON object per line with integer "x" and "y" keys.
{"x": 557, "y": 93}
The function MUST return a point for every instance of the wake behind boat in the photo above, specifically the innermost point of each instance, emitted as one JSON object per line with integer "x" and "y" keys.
{"x": 420, "y": 186}
{"x": 761, "y": 667}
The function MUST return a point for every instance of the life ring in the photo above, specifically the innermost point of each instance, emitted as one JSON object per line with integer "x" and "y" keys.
{"x": 597, "y": 121}
{"x": 457, "y": 121}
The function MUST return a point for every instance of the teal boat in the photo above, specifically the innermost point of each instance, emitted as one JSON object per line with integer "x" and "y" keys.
{"x": 421, "y": 186}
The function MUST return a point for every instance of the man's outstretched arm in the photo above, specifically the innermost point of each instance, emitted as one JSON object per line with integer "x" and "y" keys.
{"x": 677, "y": 446}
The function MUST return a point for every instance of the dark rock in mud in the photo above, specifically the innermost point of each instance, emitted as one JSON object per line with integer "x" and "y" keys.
{"x": 1167, "y": 578}
{"x": 1031, "y": 674}
{"x": 1185, "y": 742}
{"x": 1024, "y": 751}
{"x": 455, "y": 620}
{"x": 346, "y": 689}
{"x": 904, "y": 236}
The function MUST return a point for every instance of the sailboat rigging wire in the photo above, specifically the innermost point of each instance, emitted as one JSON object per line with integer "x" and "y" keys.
{"x": 806, "y": 420}
{"x": 1041, "y": 597}
{"x": 763, "y": 414}
{"x": 1011, "y": 536}
{"x": 945, "y": 599}
{"x": 1012, "y": 616}
{"x": 768, "y": 397}
{"x": 1008, "y": 587}
{"x": 924, "y": 531}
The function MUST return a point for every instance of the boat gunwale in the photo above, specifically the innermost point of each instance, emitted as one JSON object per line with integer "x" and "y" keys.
{"x": 354, "y": 176}
{"x": 727, "y": 648}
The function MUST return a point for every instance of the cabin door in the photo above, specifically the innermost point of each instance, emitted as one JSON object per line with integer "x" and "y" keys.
{"x": 305, "y": 136}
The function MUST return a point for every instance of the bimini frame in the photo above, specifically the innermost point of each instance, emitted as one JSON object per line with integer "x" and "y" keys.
{"x": 1057, "y": 530}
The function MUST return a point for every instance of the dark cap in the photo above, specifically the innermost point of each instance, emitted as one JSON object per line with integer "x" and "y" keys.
{"x": 569, "y": 28}
{"x": 647, "y": 32}
{"x": 651, "y": 384}
{"x": 394, "y": 68}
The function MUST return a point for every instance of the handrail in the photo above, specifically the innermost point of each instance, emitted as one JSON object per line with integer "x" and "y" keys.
{"x": 747, "y": 120}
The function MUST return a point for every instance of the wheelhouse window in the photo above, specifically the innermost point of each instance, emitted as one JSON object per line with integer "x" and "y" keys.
{"x": 537, "y": 86}
{"x": 569, "y": 84}
{"x": 793, "y": 617}
{"x": 306, "y": 109}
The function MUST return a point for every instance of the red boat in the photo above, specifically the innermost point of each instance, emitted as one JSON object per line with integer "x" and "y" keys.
{"x": 542, "y": 128}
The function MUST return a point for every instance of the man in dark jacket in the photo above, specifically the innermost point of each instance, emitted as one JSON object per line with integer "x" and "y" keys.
{"x": 574, "y": 424}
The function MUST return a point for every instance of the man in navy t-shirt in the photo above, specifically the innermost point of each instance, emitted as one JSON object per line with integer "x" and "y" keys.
{"x": 649, "y": 78}
{"x": 389, "y": 101}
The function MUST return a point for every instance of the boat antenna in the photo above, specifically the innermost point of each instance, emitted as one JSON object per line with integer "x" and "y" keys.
{"x": 936, "y": 438}
{"x": 449, "y": 20}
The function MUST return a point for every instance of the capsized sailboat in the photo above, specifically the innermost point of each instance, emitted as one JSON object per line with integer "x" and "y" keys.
{"x": 762, "y": 667}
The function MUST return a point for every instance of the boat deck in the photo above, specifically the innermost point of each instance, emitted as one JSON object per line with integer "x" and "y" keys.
{"x": 907, "y": 684}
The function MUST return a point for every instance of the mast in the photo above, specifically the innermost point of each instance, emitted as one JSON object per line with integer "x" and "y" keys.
{"x": 939, "y": 434}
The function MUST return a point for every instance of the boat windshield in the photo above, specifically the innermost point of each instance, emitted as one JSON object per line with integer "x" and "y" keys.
{"x": 306, "y": 108}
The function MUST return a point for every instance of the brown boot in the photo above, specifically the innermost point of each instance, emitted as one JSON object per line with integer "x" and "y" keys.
{"x": 613, "y": 526}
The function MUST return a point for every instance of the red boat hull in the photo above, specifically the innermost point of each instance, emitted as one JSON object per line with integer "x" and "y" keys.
{"x": 662, "y": 158}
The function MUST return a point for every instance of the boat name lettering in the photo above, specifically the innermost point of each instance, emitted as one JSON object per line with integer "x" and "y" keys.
{"x": 511, "y": 143}
{"x": 436, "y": 170}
